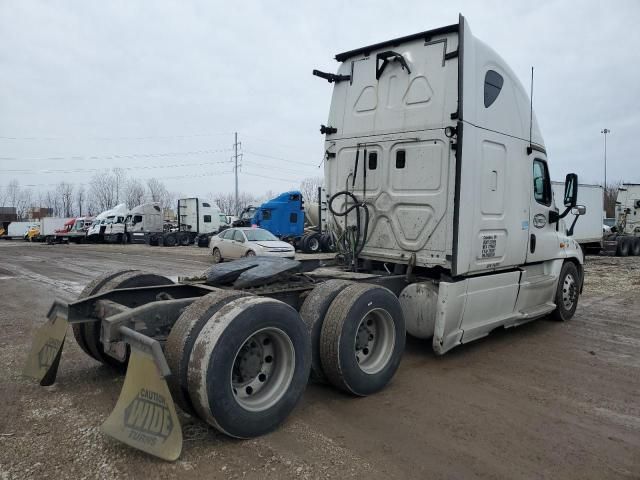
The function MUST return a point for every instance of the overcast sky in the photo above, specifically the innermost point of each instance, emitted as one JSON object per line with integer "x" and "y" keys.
{"x": 158, "y": 83}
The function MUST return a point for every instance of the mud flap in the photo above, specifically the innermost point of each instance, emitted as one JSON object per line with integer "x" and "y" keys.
{"x": 46, "y": 349}
{"x": 145, "y": 416}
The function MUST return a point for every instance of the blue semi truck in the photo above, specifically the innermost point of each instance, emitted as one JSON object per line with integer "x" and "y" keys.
{"x": 286, "y": 218}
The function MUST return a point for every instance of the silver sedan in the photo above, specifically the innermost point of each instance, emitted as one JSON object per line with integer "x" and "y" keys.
{"x": 247, "y": 242}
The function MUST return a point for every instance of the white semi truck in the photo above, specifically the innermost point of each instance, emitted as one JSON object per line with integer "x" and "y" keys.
{"x": 197, "y": 218}
{"x": 109, "y": 226}
{"x": 588, "y": 231}
{"x": 448, "y": 229}
{"x": 624, "y": 238}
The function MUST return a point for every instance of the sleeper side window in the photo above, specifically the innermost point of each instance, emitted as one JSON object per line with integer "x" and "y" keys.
{"x": 293, "y": 217}
{"x": 541, "y": 183}
{"x": 266, "y": 214}
{"x": 493, "y": 82}
{"x": 207, "y": 219}
{"x": 401, "y": 159}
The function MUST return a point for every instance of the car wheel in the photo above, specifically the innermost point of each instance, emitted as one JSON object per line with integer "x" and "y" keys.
{"x": 217, "y": 256}
{"x": 250, "y": 253}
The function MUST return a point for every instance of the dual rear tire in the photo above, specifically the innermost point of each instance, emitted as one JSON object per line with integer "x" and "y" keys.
{"x": 240, "y": 362}
{"x": 358, "y": 335}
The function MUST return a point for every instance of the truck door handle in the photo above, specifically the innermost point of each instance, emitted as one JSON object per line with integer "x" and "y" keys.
{"x": 532, "y": 243}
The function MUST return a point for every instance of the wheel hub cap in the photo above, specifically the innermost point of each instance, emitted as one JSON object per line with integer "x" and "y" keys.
{"x": 569, "y": 291}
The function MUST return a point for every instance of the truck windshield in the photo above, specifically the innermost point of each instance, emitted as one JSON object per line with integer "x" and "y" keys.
{"x": 259, "y": 235}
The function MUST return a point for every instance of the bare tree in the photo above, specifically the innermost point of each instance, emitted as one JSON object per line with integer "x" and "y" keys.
{"x": 159, "y": 193}
{"x": 12, "y": 193}
{"x": 227, "y": 203}
{"x": 133, "y": 193}
{"x": 65, "y": 194}
{"x": 103, "y": 190}
{"x": 309, "y": 188}
{"x": 120, "y": 180}
{"x": 80, "y": 199}
{"x": 610, "y": 196}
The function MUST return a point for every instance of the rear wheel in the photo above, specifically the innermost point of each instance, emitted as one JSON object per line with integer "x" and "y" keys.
{"x": 249, "y": 366}
{"x": 314, "y": 308}
{"x": 170, "y": 240}
{"x": 362, "y": 339}
{"x": 312, "y": 243}
{"x": 622, "y": 249}
{"x": 184, "y": 239}
{"x": 567, "y": 293}
{"x": 250, "y": 253}
{"x": 88, "y": 334}
{"x": 217, "y": 256}
{"x": 183, "y": 336}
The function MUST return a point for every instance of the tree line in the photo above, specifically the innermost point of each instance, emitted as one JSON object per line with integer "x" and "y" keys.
{"x": 109, "y": 188}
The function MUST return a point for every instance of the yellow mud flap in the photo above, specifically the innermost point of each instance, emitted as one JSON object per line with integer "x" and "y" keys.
{"x": 145, "y": 416}
{"x": 46, "y": 349}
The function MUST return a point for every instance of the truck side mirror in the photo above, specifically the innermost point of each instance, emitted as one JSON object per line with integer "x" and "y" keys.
{"x": 571, "y": 190}
{"x": 579, "y": 210}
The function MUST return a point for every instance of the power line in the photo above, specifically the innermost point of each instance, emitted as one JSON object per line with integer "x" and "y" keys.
{"x": 117, "y": 156}
{"x": 278, "y": 158}
{"x": 141, "y": 167}
{"x": 288, "y": 170}
{"x": 148, "y": 137}
{"x": 173, "y": 177}
{"x": 270, "y": 178}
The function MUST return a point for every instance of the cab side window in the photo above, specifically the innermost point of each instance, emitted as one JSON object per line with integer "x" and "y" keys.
{"x": 541, "y": 183}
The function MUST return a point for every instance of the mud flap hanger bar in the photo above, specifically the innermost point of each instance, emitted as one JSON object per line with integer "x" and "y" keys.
{"x": 147, "y": 345}
{"x": 386, "y": 57}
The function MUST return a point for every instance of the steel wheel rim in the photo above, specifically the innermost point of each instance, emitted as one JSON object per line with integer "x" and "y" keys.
{"x": 569, "y": 290}
{"x": 375, "y": 340}
{"x": 314, "y": 244}
{"x": 262, "y": 369}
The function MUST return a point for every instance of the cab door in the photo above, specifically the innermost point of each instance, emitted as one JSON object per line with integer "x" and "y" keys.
{"x": 543, "y": 237}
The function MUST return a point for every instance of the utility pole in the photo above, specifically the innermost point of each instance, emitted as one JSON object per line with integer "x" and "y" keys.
{"x": 605, "y": 131}
{"x": 235, "y": 156}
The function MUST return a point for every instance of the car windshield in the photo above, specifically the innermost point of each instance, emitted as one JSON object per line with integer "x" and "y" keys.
{"x": 259, "y": 235}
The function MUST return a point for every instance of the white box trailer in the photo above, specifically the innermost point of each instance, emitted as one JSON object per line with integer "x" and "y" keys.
{"x": 447, "y": 229}
{"x": 588, "y": 231}
{"x": 18, "y": 229}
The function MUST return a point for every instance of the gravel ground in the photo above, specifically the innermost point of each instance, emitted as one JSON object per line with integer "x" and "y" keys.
{"x": 545, "y": 400}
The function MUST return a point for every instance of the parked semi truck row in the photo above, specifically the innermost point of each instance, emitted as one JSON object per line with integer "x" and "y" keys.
{"x": 197, "y": 221}
{"x": 624, "y": 238}
{"x": 451, "y": 228}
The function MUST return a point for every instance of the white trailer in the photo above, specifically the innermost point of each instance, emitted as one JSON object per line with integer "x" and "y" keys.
{"x": 18, "y": 229}
{"x": 624, "y": 238}
{"x": 200, "y": 219}
{"x": 49, "y": 225}
{"x": 588, "y": 231}
{"x": 446, "y": 224}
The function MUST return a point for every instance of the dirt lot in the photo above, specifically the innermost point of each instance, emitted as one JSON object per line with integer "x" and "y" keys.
{"x": 545, "y": 400}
